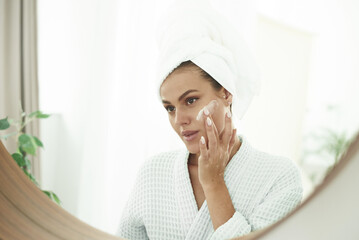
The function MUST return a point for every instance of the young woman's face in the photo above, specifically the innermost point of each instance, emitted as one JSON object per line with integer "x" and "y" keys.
{"x": 184, "y": 93}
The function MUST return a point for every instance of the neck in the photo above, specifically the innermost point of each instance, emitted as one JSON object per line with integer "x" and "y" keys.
{"x": 193, "y": 157}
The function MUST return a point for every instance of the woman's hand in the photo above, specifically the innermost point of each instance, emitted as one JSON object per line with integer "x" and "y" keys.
{"x": 213, "y": 159}
{"x": 215, "y": 155}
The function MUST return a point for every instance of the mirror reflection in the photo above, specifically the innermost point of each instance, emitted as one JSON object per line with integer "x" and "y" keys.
{"x": 97, "y": 77}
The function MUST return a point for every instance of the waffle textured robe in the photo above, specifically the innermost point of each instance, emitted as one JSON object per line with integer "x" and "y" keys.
{"x": 263, "y": 189}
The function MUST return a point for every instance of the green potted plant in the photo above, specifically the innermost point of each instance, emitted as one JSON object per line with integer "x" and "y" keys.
{"x": 27, "y": 144}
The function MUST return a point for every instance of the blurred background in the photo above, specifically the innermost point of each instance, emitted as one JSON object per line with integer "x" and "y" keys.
{"x": 96, "y": 73}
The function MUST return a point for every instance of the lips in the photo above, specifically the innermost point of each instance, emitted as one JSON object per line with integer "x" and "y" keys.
{"x": 189, "y": 135}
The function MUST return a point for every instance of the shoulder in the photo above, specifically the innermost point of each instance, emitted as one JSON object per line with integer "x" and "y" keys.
{"x": 161, "y": 161}
{"x": 274, "y": 164}
{"x": 280, "y": 171}
{"x": 269, "y": 167}
{"x": 260, "y": 160}
{"x": 273, "y": 161}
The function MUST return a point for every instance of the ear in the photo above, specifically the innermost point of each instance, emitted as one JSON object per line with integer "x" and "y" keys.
{"x": 227, "y": 97}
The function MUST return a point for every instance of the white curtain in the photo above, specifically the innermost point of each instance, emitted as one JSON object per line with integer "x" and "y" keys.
{"x": 18, "y": 67}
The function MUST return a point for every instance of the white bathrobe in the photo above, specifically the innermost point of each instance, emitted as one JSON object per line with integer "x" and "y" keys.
{"x": 263, "y": 189}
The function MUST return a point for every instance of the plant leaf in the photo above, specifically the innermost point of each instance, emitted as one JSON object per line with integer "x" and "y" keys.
{"x": 19, "y": 159}
{"x": 31, "y": 177}
{"x": 42, "y": 115}
{"x": 38, "y": 114}
{"x": 38, "y": 142}
{"x": 56, "y": 198}
{"x": 47, "y": 193}
{"x": 4, "y": 124}
{"x": 34, "y": 114}
{"x": 52, "y": 196}
{"x": 27, "y": 143}
{"x": 24, "y": 138}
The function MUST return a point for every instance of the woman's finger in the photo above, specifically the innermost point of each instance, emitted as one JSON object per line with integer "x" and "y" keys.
{"x": 228, "y": 130}
{"x": 211, "y": 135}
{"x": 203, "y": 150}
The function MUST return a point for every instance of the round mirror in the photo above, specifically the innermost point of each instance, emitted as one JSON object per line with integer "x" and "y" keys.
{"x": 96, "y": 69}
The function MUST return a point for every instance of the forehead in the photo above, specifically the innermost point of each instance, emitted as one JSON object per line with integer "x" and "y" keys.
{"x": 179, "y": 82}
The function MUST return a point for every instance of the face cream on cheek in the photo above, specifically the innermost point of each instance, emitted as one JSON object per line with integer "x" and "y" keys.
{"x": 208, "y": 109}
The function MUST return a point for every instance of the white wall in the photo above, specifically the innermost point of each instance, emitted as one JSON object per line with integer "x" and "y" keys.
{"x": 275, "y": 120}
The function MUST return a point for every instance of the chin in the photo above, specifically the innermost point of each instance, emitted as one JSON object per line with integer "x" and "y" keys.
{"x": 192, "y": 148}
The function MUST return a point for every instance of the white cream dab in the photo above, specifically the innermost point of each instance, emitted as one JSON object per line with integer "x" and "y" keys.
{"x": 211, "y": 106}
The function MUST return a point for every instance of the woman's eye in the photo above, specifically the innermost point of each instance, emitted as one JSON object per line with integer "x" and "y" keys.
{"x": 191, "y": 100}
{"x": 170, "y": 108}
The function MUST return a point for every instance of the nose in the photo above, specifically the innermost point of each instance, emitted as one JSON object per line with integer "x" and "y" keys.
{"x": 182, "y": 117}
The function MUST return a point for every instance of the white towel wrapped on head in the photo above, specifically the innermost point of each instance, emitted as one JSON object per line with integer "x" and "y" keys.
{"x": 192, "y": 30}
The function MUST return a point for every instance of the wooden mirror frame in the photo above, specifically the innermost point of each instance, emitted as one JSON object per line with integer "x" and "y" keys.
{"x": 27, "y": 213}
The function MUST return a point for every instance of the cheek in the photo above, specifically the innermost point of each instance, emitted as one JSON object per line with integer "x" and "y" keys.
{"x": 173, "y": 125}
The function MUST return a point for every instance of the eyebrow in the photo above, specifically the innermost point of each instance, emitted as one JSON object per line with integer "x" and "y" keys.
{"x": 182, "y": 96}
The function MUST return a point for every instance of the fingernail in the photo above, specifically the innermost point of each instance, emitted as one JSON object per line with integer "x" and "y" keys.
{"x": 202, "y": 140}
{"x": 209, "y": 121}
{"x": 229, "y": 115}
{"x": 206, "y": 112}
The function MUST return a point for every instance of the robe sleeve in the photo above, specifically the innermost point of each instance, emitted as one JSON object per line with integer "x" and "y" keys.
{"x": 131, "y": 225}
{"x": 283, "y": 197}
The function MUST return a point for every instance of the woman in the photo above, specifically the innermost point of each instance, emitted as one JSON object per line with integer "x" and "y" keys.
{"x": 219, "y": 187}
